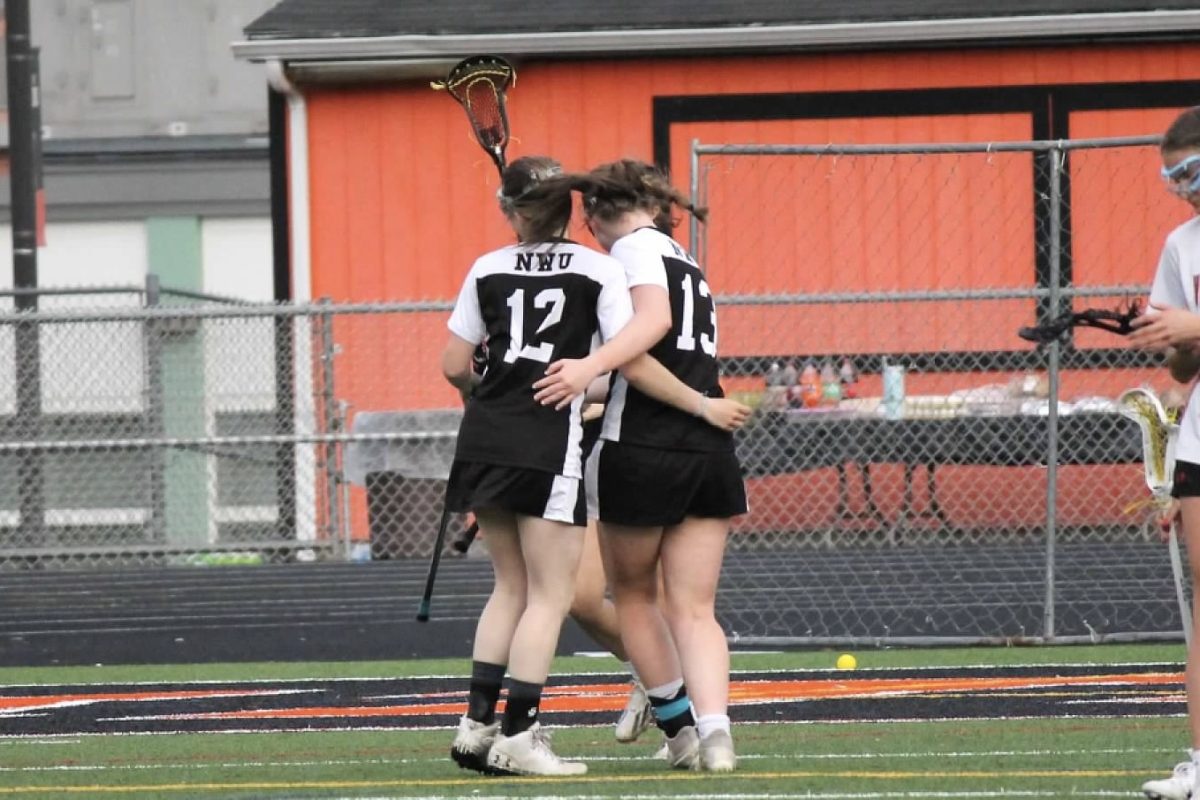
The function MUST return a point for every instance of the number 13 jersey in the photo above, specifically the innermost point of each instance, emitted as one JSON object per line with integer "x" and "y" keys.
{"x": 689, "y": 350}
{"x": 532, "y": 305}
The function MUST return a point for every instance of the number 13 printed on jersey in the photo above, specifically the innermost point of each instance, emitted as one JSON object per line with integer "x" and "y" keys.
{"x": 686, "y": 340}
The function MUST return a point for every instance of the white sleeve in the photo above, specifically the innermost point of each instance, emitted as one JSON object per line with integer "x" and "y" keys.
{"x": 1167, "y": 290}
{"x": 466, "y": 321}
{"x": 643, "y": 264}
{"x": 614, "y": 308}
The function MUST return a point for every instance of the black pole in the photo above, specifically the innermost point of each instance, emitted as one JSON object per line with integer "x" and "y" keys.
{"x": 23, "y": 137}
{"x": 21, "y": 150}
{"x": 285, "y": 407}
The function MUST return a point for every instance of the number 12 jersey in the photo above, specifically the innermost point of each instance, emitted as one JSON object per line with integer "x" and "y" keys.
{"x": 532, "y": 305}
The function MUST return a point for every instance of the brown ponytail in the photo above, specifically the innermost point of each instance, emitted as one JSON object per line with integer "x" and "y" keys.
{"x": 629, "y": 184}
{"x": 1184, "y": 132}
{"x": 608, "y": 191}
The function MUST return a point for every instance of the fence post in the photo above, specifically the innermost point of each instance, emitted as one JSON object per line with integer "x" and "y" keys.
{"x": 285, "y": 425}
{"x": 329, "y": 413}
{"x": 155, "y": 421}
{"x": 1056, "y": 156}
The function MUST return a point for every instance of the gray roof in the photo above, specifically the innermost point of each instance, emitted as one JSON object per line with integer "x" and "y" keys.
{"x": 309, "y": 19}
{"x": 356, "y": 33}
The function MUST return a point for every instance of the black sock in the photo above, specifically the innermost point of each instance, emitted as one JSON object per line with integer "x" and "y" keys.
{"x": 521, "y": 707}
{"x": 485, "y": 691}
{"x": 673, "y": 714}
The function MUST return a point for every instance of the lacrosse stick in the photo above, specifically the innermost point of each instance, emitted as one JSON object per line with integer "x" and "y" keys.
{"x": 434, "y": 561}
{"x": 479, "y": 84}
{"x": 1160, "y": 432}
{"x": 1118, "y": 321}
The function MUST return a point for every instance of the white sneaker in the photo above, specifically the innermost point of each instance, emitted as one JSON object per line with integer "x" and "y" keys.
{"x": 637, "y": 717}
{"x": 663, "y": 753}
{"x": 1179, "y": 786}
{"x": 529, "y": 753}
{"x": 472, "y": 742}
{"x": 683, "y": 749}
{"x": 716, "y": 752}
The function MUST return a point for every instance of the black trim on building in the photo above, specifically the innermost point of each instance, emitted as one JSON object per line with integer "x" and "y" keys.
{"x": 280, "y": 224}
{"x": 1049, "y": 108}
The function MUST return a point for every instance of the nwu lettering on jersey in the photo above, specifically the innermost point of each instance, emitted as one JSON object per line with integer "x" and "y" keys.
{"x": 546, "y": 262}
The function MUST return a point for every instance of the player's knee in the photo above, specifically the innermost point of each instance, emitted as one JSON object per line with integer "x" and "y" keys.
{"x": 641, "y": 579}
{"x": 512, "y": 593}
{"x": 688, "y": 610}
{"x": 635, "y": 593}
{"x": 556, "y": 598}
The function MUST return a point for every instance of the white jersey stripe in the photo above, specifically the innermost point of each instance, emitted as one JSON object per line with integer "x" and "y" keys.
{"x": 591, "y": 480}
{"x": 573, "y": 462}
{"x": 564, "y": 494}
{"x": 614, "y": 409}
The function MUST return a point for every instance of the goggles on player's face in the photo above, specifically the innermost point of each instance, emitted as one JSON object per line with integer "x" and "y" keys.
{"x": 1183, "y": 179}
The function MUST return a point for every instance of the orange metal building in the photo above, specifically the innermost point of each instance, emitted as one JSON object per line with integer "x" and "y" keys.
{"x": 383, "y": 195}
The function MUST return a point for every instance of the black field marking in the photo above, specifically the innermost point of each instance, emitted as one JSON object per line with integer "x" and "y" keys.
{"x": 802, "y": 696}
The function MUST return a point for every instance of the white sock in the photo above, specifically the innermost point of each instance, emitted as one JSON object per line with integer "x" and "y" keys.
{"x": 632, "y": 671}
{"x": 667, "y": 690}
{"x": 712, "y": 722}
{"x": 1196, "y": 757}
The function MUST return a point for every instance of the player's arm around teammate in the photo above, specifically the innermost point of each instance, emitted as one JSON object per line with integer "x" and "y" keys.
{"x": 1173, "y": 325}
{"x": 518, "y": 465}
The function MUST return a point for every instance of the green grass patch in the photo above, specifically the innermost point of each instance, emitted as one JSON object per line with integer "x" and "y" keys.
{"x": 1060, "y": 756}
{"x": 804, "y": 659}
{"x": 1085, "y": 756}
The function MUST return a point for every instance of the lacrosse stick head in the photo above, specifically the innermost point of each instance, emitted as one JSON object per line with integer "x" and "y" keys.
{"x": 1118, "y": 321}
{"x": 479, "y": 84}
{"x": 1160, "y": 432}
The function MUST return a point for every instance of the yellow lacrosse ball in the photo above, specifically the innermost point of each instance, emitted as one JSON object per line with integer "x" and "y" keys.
{"x": 846, "y": 661}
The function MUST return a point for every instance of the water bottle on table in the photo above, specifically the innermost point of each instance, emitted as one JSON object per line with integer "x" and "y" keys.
{"x": 893, "y": 390}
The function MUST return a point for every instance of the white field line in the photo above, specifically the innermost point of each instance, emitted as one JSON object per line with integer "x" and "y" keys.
{"x": 22, "y": 738}
{"x": 736, "y": 674}
{"x": 808, "y": 796}
{"x": 790, "y": 757}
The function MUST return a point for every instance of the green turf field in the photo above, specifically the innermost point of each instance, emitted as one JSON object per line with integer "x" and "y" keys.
{"x": 1076, "y": 756}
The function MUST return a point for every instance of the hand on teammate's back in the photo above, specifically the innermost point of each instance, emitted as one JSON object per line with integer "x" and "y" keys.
{"x": 565, "y": 380}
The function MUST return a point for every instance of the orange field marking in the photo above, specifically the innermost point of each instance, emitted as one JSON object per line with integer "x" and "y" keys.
{"x": 31, "y": 703}
{"x": 612, "y": 697}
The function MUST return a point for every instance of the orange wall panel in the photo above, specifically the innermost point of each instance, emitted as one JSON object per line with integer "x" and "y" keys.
{"x": 402, "y": 199}
{"x": 1118, "y": 200}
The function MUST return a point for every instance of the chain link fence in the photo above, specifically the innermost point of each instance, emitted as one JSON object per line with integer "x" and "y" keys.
{"x": 995, "y": 496}
{"x": 988, "y": 501}
{"x": 146, "y": 430}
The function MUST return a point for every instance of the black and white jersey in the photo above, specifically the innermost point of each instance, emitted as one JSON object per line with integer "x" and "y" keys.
{"x": 689, "y": 350}
{"x": 533, "y": 304}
